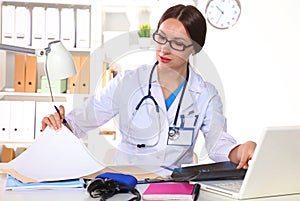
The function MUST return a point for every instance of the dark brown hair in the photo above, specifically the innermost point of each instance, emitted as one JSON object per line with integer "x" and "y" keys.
{"x": 193, "y": 21}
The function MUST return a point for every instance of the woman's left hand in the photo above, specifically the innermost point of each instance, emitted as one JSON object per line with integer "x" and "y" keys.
{"x": 242, "y": 153}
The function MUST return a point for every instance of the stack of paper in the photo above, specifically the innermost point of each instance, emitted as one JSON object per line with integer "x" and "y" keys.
{"x": 56, "y": 156}
{"x": 14, "y": 184}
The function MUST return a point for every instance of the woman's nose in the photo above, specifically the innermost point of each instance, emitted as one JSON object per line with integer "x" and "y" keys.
{"x": 165, "y": 48}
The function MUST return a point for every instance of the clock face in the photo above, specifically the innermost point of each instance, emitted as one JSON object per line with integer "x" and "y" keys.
{"x": 223, "y": 14}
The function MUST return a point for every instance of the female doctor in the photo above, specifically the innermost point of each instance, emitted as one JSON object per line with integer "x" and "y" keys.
{"x": 160, "y": 108}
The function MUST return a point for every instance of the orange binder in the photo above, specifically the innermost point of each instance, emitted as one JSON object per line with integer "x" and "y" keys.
{"x": 31, "y": 74}
{"x": 73, "y": 82}
{"x": 8, "y": 154}
{"x": 105, "y": 68}
{"x": 84, "y": 75}
{"x": 80, "y": 83}
{"x": 20, "y": 62}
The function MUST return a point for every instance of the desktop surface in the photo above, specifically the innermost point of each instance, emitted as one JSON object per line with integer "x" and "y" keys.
{"x": 82, "y": 195}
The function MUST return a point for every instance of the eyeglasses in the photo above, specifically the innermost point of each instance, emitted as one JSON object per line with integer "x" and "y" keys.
{"x": 162, "y": 40}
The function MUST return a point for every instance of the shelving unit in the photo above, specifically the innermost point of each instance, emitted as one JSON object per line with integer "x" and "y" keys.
{"x": 107, "y": 19}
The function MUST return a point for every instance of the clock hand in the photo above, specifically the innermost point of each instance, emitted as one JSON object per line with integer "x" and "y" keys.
{"x": 219, "y": 18}
{"x": 220, "y": 10}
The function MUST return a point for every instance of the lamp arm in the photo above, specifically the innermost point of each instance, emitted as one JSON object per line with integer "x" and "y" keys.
{"x": 11, "y": 48}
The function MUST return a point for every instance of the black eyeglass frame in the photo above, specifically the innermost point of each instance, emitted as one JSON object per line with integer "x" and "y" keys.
{"x": 170, "y": 42}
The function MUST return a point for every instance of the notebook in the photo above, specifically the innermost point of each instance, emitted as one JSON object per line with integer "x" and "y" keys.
{"x": 171, "y": 191}
{"x": 273, "y": 170}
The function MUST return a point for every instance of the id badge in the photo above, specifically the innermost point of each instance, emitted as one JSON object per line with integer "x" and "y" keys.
{"x": 185, "y": 137}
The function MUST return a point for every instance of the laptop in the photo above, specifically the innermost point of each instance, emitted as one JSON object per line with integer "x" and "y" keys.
{"x": 273, "y": 170}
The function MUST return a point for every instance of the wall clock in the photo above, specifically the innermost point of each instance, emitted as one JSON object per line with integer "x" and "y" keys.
{"x": 223, "y": 14}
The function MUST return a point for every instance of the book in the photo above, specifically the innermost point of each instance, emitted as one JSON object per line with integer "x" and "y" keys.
{"x": 171, "y": 191}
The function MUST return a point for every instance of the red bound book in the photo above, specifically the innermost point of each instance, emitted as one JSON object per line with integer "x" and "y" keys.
{"x": 171, "y": 191}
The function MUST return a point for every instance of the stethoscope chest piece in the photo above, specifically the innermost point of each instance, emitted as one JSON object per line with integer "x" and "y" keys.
{"x": 174, "y": 133}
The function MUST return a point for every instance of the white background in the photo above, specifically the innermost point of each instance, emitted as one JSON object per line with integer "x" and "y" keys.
{"x": 258, "y": 61}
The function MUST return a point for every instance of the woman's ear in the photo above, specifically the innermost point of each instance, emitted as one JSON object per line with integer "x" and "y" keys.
{"x": 193, "y": 52}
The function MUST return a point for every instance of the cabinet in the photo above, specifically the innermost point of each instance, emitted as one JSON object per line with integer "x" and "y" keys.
{"x": 34, "y": 24}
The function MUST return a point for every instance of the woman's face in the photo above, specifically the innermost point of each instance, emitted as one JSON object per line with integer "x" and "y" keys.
{"x": 175, "y": 53}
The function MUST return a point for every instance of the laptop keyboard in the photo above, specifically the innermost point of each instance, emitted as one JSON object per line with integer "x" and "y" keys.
{"x": 233, "y": 185}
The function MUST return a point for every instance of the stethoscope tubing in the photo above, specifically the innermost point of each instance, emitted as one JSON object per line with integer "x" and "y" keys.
{"x": 174, "y": 132}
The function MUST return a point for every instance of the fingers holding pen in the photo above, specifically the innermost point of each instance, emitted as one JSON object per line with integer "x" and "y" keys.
{"x": 53, "y": 121}
{"x": 62, "y": 112}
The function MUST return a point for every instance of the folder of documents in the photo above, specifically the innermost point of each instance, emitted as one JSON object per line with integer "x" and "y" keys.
{"x": 67, "y": 27}
{"x": 14, "y": 184}
{"x": 8, "y": 24}
{"x": 28, "y": 121}
{"x": 52, "y": 24}
{"x": 31, "y": 74}
{"x": 38, "y": 34}
{"x": 73, "y": 82}
{"x": 80, "y": 83}
{"x": 5, "y": 120}
{"x": 82, "y": 28}
{"x": 84, "y": 75}
{"x": 2, "y": 69}
{"x": 16, "y": 120}
{"x": 8, "y": 154}
{"x": 22, "y": 26}
{"x": 20, "y": 65}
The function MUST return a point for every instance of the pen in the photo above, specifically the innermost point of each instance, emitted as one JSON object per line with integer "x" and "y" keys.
{"x": 57, "y": 110}
{"x": 196, "y": 118}
{"x": 196, "y": 191}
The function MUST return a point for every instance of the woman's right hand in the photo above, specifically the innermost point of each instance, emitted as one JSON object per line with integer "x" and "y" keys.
{"x": 54, "y": 120}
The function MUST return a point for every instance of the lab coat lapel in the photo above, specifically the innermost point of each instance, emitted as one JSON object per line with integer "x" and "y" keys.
{"x": 157, "y": 92}
{"x": 193, "y": 89}
{"x": 187, "y": 101}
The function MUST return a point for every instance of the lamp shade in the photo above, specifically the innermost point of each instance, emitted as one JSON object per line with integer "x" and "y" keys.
{"x": 59, "y": 62}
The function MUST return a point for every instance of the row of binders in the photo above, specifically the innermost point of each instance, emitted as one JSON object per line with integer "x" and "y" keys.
{"x": 36, "y": 26}
{"x": 21, "y": 120}
{"x": 25, "y": 78}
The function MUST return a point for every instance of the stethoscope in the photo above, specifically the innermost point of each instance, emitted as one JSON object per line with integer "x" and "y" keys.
{"x": 174, "y": 132}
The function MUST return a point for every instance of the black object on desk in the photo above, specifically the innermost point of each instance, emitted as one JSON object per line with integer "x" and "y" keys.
{"x": 213, "y": 171}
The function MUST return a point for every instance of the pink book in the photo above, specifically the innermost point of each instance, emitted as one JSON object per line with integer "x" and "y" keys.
{"x": 171, "y": 191}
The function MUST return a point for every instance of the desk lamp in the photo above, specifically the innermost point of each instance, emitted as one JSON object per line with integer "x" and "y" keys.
{"x": 59, "y": 63}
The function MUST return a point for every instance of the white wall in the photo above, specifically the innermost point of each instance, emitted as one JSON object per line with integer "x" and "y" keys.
{"x": 258, "y": 63}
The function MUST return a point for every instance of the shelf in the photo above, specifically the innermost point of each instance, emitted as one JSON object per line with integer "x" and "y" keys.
{"x": 50, "y": 2}
{"x": 9, "y": 94}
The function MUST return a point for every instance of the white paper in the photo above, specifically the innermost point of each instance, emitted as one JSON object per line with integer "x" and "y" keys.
{"x": 56, "y": 155}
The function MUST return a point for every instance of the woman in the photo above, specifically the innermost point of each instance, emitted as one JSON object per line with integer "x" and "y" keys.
{"x": 160, "y": 109}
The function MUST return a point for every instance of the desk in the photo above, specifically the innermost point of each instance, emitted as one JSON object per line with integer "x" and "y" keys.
{"x": 82, "y": 195}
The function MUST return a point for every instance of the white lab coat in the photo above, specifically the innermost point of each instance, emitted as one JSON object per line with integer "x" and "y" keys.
{"x": 119, "y": 99}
